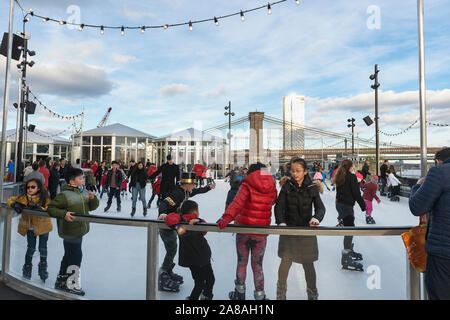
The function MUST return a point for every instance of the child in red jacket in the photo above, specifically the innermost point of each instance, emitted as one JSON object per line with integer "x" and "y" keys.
{"x": 259, "y": 187}
{"x": 370, "y": 192}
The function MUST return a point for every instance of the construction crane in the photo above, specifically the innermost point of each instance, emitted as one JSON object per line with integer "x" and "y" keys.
{"x": 105, "y": 119}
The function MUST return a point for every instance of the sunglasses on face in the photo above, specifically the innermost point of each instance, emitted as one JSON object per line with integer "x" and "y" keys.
{"x": 31, "y": 187}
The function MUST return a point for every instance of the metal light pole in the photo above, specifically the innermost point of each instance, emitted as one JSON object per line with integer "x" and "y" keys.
{"x": 229, "y": 114}
{"x": 422, "y": 102}
{"x": 5, "y": 98}
{"x": 375, "y": 86}
{"x": 352, "y": 125}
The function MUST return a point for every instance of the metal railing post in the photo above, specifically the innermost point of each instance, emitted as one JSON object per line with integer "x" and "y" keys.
{"x": 6, "y": 245}
{"x": 412, "y": 281}
{"x": 152, "y": 260}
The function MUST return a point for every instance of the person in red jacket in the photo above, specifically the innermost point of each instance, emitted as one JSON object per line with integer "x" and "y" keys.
{"x": 370, "y": 192}
{"x": 251, "y": 206}
{"x": 45, "y": 172}
{"x": 151, "y": 169}
{"x": 199, "y": 169}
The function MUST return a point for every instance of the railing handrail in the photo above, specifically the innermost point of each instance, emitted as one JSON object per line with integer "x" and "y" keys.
{"x": 234, "y": 228}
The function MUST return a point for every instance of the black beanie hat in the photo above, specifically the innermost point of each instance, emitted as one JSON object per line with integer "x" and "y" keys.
{"x": 169, "y": 157}
{"x": 255, "y": 167}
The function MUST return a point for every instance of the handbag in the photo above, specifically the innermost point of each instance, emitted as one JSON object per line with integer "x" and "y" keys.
{"x": 414, "y": 241}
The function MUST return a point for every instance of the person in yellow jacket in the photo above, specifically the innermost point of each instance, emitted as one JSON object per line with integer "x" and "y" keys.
{"x": 32, "y": 226}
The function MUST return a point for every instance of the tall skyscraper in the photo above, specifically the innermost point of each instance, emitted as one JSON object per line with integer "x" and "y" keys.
{"x": 293, "y": 115}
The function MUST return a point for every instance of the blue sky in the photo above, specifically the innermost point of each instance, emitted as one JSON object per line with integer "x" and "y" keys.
{"x": 165, "y": 80}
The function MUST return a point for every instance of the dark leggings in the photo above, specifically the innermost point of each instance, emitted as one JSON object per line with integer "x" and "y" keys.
{"x": 349, "y": 221}
{"x": 310, "y": 273}
{"x": 257, "y": 246}
{"x": 204, "y": 281}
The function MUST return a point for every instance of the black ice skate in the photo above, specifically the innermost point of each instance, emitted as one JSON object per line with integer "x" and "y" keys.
{"x": 176, "y": 277}
{"x": 42, "y": 270}
{"x": 238, "y": 293}
{"x": 61, "y": 284}
{"x": 370, "y": 220}
{"x": 348, "y": 263}
{"x": 118, "y": 208}
{"x": 133, "y": 211}
{"x": 26, "y": 271}
{"x": 165, "y": 283}
{"x": 107, "y": 208}
{"x": 355, "y": 255}
{"x": 313, "y": 294}
{"x": 145, "y": 212}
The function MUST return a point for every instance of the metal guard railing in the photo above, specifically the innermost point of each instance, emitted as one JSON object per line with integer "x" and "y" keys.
{"x": 413, "y": 277}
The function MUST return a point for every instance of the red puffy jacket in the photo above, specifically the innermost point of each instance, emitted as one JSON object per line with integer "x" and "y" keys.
{"x": 198, "y": 169}
{"x": 151, "y": 170}
{"x": 253, "y": 203}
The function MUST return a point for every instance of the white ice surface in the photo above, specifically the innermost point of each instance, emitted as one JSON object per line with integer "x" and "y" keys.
{"x": 114, "y": 257}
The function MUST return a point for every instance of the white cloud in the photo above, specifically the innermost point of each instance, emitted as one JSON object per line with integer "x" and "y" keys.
{"x": 173, "y": 89}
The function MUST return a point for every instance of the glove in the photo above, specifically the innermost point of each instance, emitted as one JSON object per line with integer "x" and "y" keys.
{"x": 18, "y": 207}
{"x": 378, "y": 200}
{"x": 222, "y": 224}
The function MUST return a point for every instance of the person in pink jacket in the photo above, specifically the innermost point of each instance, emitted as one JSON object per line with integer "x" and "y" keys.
{"x": 370, "y": 192}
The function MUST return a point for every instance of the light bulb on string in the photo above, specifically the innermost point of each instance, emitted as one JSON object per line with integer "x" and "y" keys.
{"x": 216, "y": 21}
{"x": 143, "y": 29}
{"x": 45, "y": 19}
{"x": 122, "y": 30}
{"x": 297, "y": 2}
{"x": 166, "y": 26}
{"x": 31, "y": 11}
{"x": 269, "y": 9}
{"x": 81, "y": 27}
{"x": 190, "y": 26}
{"x": 242, "y": 16}
{"x": 102, "y": 30}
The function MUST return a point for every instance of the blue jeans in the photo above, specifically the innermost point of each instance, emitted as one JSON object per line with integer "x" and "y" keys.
{"x": 31, "y": 246}
{"x": 141, "y": 191}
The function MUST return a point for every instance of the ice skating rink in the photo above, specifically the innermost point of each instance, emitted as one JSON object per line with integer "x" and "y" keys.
{"x": 114, "y": 257}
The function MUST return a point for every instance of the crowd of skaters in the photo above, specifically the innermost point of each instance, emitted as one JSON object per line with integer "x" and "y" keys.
{"x": 252, "y": 195}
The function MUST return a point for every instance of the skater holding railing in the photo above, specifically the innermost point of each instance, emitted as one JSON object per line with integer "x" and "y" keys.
{"x": 294, "y": 208}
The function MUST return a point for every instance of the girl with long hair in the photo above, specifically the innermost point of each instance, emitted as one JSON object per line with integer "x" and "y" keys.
{"x": 294, "y": 207}
{"x": 35, "y": 197}
{"x": 347, "y": 193}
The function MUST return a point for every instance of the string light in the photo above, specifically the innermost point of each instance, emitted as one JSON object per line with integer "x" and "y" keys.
{"x": 297, "y": 2}
{"x": 190, "y": 23}
{"x": 52, "y": 112}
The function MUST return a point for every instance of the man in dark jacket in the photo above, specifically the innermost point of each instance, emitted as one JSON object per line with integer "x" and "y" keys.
{"x": 235, "y": 179}
{"x": 170, "y": 176}
{"x": 99, "y": 173}
{"x": 383, "y": 176}
{"x": 114, "y": 182}
{"x": 365, "y": 170}
{"x": 432, "y": 195}
{"x": 168, "y": 280}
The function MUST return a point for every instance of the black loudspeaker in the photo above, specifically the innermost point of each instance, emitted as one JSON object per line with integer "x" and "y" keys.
{"x": 31, "y": 127}
{"x": 367, "y": 120}
{"x": 16, "y": 43}
{"x": 31, "y": 107}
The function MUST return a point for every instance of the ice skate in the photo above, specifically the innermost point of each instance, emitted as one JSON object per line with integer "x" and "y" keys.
{"x": 369, "y": 220}
{"x": 42, "y": 270}
{"x": 238, "y": 293}
{"x": 145, "y": 212}
{"x": 176, "y": 277}
{"x": 260, "y": 295}
{"x": 355, "y": 255}
{"x": 165, "y": 283}
{"x": 312, "y": 294}
{"x": 348, "y": 263}
{"x": 26, "y": 271}
{"x": 107, "y": 208}
{"x": 133, "y": 211}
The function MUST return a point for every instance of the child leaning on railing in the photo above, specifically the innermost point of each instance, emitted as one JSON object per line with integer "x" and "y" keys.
{"x": 35, "y": 197}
